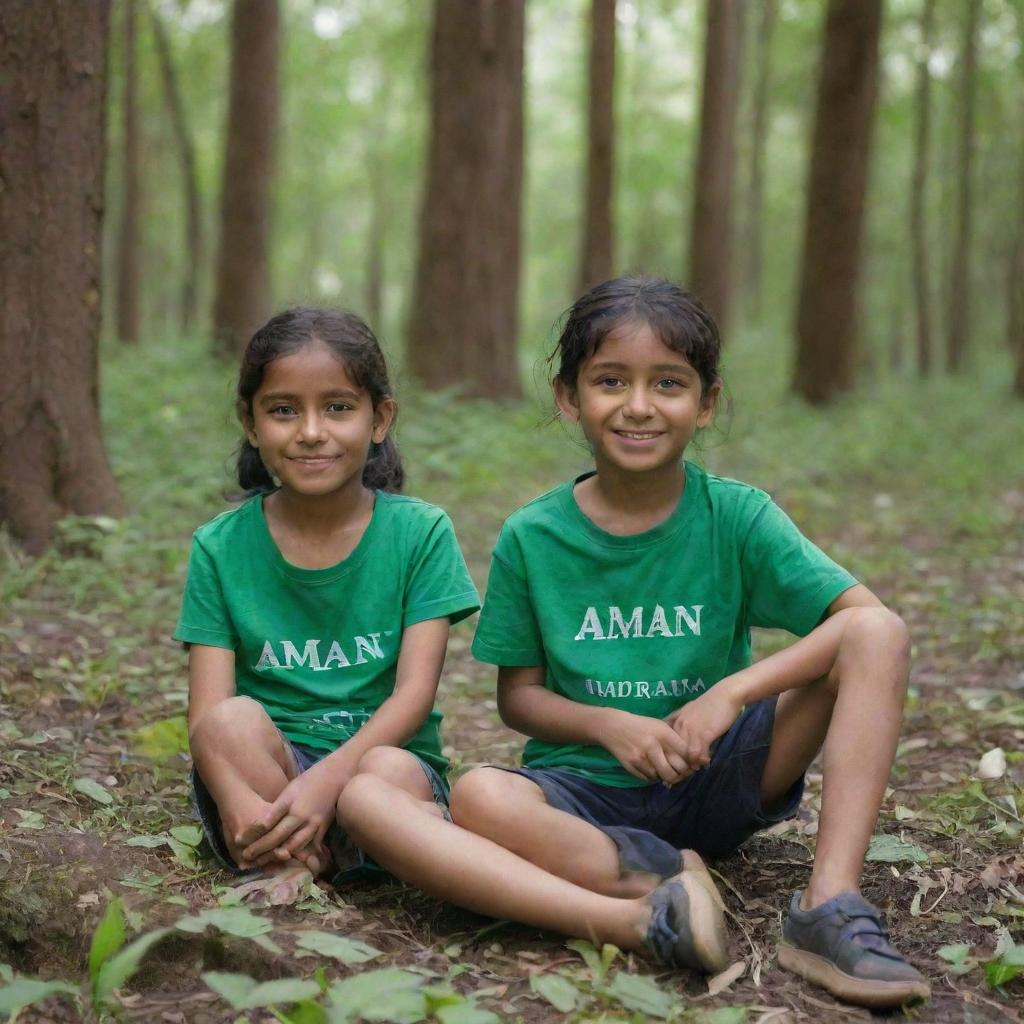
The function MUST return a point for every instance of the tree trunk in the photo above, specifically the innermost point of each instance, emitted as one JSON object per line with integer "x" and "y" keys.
{"x": 758, "y": 145}
{"x": 918, "y": 192}
{"x": 464, "y": 321}
{"x": 711, "y": 229}
{"x": 128, "y": 249}
{"x": 52, "y": 101}
{"x": 189, "y": 179}
{"x": 597, "y": 262}
{"x": 827, "y": 308}
{"x": 243, "y": 276}
{"x": 960, "y": 270}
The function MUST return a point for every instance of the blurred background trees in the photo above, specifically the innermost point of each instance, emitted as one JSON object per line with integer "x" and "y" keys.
{"x": 843, "y": 182}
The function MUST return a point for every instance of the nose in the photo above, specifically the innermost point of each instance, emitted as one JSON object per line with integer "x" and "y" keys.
{"x": 311, "y": 427}
{"x": 638, "y": 403}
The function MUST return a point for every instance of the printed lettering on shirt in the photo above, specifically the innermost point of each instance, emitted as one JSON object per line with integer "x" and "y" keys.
{"x": 640, "y": 623}
{"x": 363, "y": 649}
{"x": 620, "y": 688}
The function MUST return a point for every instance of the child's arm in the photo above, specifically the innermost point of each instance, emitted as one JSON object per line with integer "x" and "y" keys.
{"x": 646, "y": 747}
{"x": 705, "y": 719}
{"x": 306, "y": 806}
{"x": 211, "y": 679}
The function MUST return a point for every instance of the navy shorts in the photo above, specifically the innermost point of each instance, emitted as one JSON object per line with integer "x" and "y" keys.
{"x": 713, "y": 811}
{"x": 349, "y": 859}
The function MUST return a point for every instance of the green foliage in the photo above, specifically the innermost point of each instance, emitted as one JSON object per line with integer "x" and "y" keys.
{"x": 244, "y": 993}
{"x": 341, "y": 948}
{"x": 18, "y": 993}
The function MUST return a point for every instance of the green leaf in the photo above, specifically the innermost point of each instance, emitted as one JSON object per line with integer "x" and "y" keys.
{"x": 590, "y": 955}
{"x": 245, "y": 993}
{"x": 29, "y": 819}
{"x": 726, "y": 1015}
{"x": 121, "y": 966}
{"x": 560, "y": 992}
{"x": 390, "y": 994}
{"x": 190, "y": 835}
{"x": 108, "y": 938}
{"x": 466, "y": 1012}
{"x": 893, "y": 850}
{"x": 348, "y": 951}
{"x": 641, "y": 993}
{"x": 92, "y": 789}
{"x": 162, "y": 740}
{"x": 149, "y": 842}
{"x": 184, "y": 854}
{"x": 305, "y": 1012}
{"x": 955, "y": 954}
{"x": 24, "y": 992}
{"x": 238, "y": 921}
{"x": 999, "y": 973}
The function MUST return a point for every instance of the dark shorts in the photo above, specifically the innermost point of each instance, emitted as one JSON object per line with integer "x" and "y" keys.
{"x": 349, "y": 859}
{"x": 713, "y": 811}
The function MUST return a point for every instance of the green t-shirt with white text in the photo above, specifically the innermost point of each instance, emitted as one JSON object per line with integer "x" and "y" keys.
{"x": 646, "y": 622}
{"x": 318, "y": 648}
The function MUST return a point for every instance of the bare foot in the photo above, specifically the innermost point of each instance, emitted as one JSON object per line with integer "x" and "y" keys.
{"x": 279, "y": 885}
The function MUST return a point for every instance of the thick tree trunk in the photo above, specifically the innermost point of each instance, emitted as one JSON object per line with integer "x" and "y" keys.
{"x": 711, "y": 274}
{"x": 52, "y": 95}
{"x": 960, "y": 270}
{"x": 918, "y": 193}
{"x": 243, "y": 259}
{"x": 193, "y": 223}
{"x": 128, "y": 248}
{"x": 758, "y": 145}
{"x": 827, "y": 310}
{"x": 597, "y": 261}
{"x": 464, "y": 320}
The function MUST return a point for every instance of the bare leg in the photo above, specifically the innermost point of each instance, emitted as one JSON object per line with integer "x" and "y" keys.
{"x": 511, "y": 810}
{"x": 470, "y": 870}
{"x": 245, "y": 764}
{"x": 857, "y": 711}
{"x": 403, "y": 770}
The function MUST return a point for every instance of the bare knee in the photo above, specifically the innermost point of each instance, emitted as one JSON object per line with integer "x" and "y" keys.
{"x": 485, "y": 795}
{"x": 883, "y": 636}
{"x": 398, "y": 767}
{"x": 237, "y": 718}
{"x": 363, "y": 798}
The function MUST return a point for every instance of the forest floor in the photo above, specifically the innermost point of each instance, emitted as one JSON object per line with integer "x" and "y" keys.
{"x": 107, "y": 909}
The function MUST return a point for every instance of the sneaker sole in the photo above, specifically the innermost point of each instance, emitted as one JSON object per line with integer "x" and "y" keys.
{"x": 707, "y": 914}
{"x": 864, "y": 992}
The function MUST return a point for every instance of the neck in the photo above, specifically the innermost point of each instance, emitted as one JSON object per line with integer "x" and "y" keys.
{"x": 321, "y": 515}
{"x": 631, "y": 502}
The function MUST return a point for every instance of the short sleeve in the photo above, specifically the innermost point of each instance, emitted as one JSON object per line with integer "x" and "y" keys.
{"x": 788, "y": 581}
{"x": 439, "y": 583}
{"x": 204, "y": 615}
{"x": 507, "y": 633}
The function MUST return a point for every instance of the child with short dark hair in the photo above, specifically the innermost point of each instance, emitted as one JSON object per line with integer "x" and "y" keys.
{"x": 317, "y": 612}
{"x": 618, "y": 611}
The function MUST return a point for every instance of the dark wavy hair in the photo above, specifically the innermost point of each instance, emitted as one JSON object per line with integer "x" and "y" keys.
{"x": 354, "y": 344}
{"x": 676, "y": 316}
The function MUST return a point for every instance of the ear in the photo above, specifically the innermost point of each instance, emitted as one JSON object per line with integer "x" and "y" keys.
{"x": 384, "y": 414}
{"x": 708, "y": 404}
{"x": 566, "y": 399}
{"x": 248, "y": 424}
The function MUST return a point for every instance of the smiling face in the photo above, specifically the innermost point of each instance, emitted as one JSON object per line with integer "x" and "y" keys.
{"x": 313, "y": 424}
{"x": 638, "y": 401}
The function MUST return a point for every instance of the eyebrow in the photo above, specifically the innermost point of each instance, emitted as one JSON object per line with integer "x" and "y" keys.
{"x": 284, "y": 396}
{"x": 658, "y": 368}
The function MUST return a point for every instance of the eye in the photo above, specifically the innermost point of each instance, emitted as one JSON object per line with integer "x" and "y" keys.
{"x": 282, "y": 410}
{"x": 609, "y": 381}
{"x": 339, "y": 407}
{"x": 668, "y": 383}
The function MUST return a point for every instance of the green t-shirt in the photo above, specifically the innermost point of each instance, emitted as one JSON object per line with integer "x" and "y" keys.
{"x": 318, "y": 648}
{"x": 646, "y": 623}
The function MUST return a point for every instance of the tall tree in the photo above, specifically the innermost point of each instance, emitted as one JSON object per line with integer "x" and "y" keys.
{"x": 52, "y": 97}
{"x": 464, "y": 320}
{"x": 827, "y": 306}
{"x": 243, "y": 258}
{"x": 597, "y": 260}
{"x": 193, "y": 222}
{"x": 128, "y": 248}
{"x": 758, "y": 145}
{"x": 960, "y": 269}
{"x": 918, "y": 192}
{"x": 711, "y": 272}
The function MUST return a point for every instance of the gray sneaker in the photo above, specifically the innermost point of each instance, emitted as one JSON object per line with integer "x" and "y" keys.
{"x": 687, "y": 926}
{"x": 843, "y": 946}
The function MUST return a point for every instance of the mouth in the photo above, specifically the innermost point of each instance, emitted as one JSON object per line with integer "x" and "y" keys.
{"x": 313, "y": 461}
{"x": 639, "y": 435}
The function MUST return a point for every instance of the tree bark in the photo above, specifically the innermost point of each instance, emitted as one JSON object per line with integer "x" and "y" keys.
{"x": 918, "y": 192}
{"x": 193, "y": 223}
{"x": 464, "y": 321}
{"x": 243, "y": 259}
{"x": 52, "y": 101}
{"x": 960, "y": 269}
{"x": 597, "y": 261}
{"x": 827, "y": 308}
{"x": 128, "y": 248}
{"x": 711, "y": 273}
{"x": 758, "y": 145}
